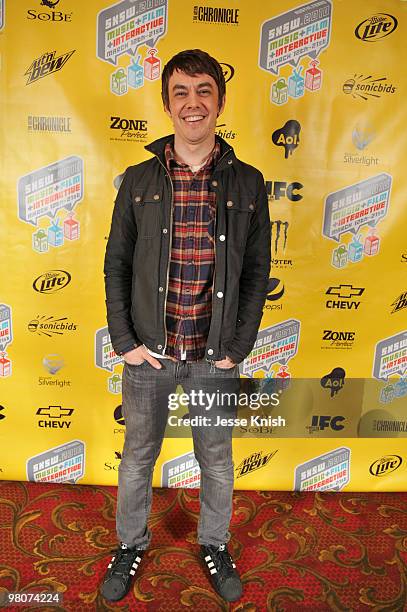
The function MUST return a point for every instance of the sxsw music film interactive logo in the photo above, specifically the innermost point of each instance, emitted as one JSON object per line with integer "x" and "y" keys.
{"x": 344, "y": 295}
{"x": 253, "y": 462}
{"x": 49, "y": 15}
{"x": 288, "y": 137}
{"x": 385, "y": 465}
{"x": 376, "y": 27}
{"x": 334, "y": 381}
{"x": 215, "y": 15}
{"x": 128, "y": 130}
{"x": 52, "y": 281}
{"x": 47, "y": 64}
{"x": 366, "y": 87}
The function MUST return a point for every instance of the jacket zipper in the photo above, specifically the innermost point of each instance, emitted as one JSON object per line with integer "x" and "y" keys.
{"x": 169, "y": 251}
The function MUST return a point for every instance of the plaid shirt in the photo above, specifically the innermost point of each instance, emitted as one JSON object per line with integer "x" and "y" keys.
{"x": 192, "y": 258}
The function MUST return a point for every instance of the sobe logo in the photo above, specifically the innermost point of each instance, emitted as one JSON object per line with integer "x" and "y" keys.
{"x": 376, "y": 27}
{"x": 52, "y": 15}
{"x": 52, "y": 281}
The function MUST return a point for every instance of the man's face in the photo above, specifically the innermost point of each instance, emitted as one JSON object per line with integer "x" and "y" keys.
{"x": 193, "y": 106}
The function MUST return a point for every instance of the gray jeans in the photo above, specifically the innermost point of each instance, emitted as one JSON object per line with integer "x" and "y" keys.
{"x": 145, "y": 410}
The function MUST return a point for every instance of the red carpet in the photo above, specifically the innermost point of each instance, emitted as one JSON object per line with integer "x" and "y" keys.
{"x": 295, "y": 551}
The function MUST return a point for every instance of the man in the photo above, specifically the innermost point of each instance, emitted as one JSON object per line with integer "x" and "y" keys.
{"x": 186, "y": 272}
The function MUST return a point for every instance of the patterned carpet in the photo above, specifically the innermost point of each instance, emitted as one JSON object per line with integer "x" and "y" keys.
{"x": 295, "y": 551}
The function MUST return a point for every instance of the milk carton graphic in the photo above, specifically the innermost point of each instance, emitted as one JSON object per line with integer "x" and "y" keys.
{"x": 340, "y": 256}
{"x": 355, "y": 252}
{"x": 313, "y": 76}
{"x": 152, "y": 66}
{"x": 55, "y": 234}
{"x": 135, "y": 74}
{"x": 279, "y": 91}
{"x": 40, "y": 241}
{"x": 71, "y": 227}
{"x": 118, "y": 82}
{"x": 372, "y": 243}
{"x": 5, "y": 365}
{"x": 296, "y": 84}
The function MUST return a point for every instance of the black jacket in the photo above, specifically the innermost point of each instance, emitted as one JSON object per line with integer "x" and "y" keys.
{"x": 137, "y": 255}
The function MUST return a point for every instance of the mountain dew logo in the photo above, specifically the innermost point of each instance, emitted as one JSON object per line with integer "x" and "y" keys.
{"x": 47, "y": 64}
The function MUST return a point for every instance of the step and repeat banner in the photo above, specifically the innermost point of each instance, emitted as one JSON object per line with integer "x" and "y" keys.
{"x": 315, "y": 100}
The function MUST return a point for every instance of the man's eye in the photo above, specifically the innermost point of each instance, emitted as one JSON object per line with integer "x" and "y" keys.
{"x": 204, "y": 91}
{"x": 180, "y": 93}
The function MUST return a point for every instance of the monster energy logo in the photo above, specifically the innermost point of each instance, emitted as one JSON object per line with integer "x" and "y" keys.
{"x": 279, "y": 232}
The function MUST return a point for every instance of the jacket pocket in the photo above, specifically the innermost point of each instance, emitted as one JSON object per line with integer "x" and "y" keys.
{"x": 147, "y": 211}
{"x": 239, "y": 211}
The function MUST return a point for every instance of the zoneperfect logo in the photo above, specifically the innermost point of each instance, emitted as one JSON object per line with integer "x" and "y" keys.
{"x": 64, "y": 463}
{"x": 47, "y": 64}
{"x": 134, "y": 130}
{"x": 216, "y": 15}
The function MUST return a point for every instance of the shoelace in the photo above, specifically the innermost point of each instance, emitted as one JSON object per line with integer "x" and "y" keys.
{"x": 121, "y": 561}
{"x": 223, "y": 561}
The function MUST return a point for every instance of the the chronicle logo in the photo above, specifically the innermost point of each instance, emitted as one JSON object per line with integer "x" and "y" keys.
{"x": 38, "y": 123}
{"x": 366, "y": 87}
{"x": 376, "y": 27}
{"x": 338, "y": 339}
{"x": 288, "y": 137}
{"x": 51, "y": 326}
{"x": 253, "y": 462}
{"x": 400, "y": 303}
{"x": 52, "y": 281}
{"x": 346, "y": 293}
{"x": 385, "y": 465}
{"x": 210, "y": 14}
{"x": 46, "y": 64}
{"x": 129, "y": 129}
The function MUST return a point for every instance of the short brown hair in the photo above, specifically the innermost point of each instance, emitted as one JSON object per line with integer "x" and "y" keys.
{"x": 192, "y": 62}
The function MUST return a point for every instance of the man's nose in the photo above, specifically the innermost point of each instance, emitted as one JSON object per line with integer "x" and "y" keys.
{"x": 193, "y": 100}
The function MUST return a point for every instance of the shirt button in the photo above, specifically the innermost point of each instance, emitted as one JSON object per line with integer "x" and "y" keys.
{"x": 222, "y": 237}
{"x": 230, "y": 161}
{"x": 137, "y": 199}
{"x": 229, "y": 203}
{"x": 210, "y": 351}
{"x": 159, "y": 346}
{"x": 165, "y": 230}
{"x": 219, "y": 294}
{"x": 160, "y": 289}
{"x": 251, "y": 206}
{"x": 156, "y": 196}
{"x": 214, "y": 183}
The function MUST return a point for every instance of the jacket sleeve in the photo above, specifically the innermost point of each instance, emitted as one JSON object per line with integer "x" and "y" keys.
{"x": 118, "y": 269}
{"x": 254, "y": 278}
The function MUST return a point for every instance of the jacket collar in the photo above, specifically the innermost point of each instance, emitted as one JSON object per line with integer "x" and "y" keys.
{"x": 226, "y": 151}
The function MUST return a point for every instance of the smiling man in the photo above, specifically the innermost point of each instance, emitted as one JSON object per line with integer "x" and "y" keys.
{"x": 186, "y": 274}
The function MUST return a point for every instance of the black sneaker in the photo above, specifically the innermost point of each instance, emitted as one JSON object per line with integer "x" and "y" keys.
{"x": 120, "y": 571}
{"x": 222, "y": 570}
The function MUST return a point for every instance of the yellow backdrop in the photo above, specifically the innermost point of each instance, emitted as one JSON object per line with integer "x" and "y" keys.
{"x": 314, "y": 100}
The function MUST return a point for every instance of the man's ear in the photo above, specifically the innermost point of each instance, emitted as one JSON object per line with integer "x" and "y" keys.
{"x": 167, "y": 110}
{"x": 222, "y": 106}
